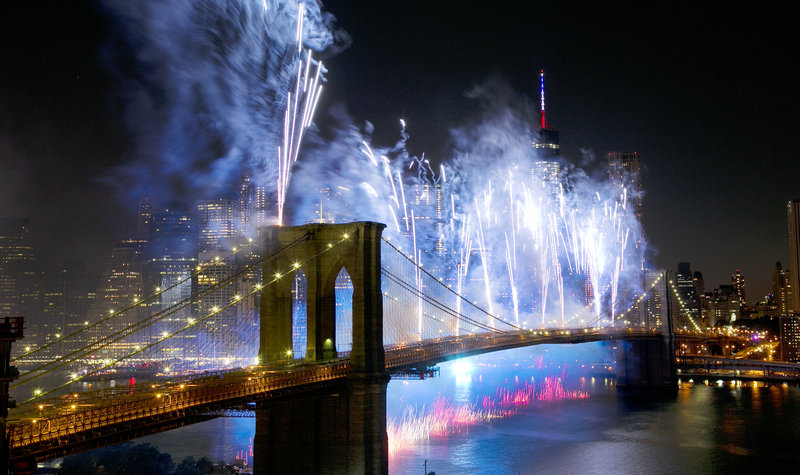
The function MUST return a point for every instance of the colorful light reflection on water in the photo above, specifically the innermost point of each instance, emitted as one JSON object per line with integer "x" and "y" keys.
{"x": 443, "y": 417}
{"x": 470, "y": 394}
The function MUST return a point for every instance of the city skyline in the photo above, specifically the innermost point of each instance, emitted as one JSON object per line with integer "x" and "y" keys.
{"x": 677, "y": 95}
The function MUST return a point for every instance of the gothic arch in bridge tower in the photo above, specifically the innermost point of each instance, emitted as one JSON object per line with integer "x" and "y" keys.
{"x": 299, "y": 336}
{"x": 343, "y": 291}
{"x": 322, "y": 251}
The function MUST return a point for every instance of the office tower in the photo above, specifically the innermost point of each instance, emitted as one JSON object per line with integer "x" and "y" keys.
{"x": 18, "y": 274}
{"x": 687, "y": 308}
{"x": 120, "y": 287}
{"x": 546, "y": 175}
{"x": 251, "y": 208}
{"x": 699, "y": 283}
{"x": 427, "y": 202}
{"x": 66, "y": 296}
{"x": 217, "y": 225}
{"x": 789, "y": 292}
{"x": 793, "y": 211}
{"x": 780, "y": 295}
{"x": 737, "y": 280}
{"x": 174, "y": 233}
{"x": 332, "y": 207}
{"x": 625, "y": 169}
{"x": 172, "y": 259}
{"x": 723, "y": 305}
{"x": 225, "y": 335}
{"x": 144, "y": 218}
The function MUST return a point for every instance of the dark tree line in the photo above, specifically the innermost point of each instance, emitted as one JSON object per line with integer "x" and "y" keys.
{"x": 140, "y": 459}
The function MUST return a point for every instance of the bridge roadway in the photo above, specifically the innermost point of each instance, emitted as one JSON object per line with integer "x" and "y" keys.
{"x": 72, "y": 423}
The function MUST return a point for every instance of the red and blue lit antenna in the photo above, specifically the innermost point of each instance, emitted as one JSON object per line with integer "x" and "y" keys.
{"x": 541, "y": 90}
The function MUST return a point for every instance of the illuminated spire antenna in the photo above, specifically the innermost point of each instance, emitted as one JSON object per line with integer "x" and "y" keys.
{"x": 541, "y": 91}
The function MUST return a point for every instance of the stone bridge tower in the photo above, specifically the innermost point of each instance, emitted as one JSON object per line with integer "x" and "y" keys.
{"x": 341, "y": 429}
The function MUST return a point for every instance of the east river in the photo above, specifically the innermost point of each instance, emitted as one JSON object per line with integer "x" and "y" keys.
{"x": 537, "y": 410}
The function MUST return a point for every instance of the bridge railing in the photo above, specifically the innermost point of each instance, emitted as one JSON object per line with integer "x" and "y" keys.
{"x": 162, "y": 401}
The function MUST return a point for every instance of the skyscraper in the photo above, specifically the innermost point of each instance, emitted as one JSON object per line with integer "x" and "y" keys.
{"x": 251, "y": 212}
{"x": 546, "y": 171}
{"x": 66, "y": 296}
{"x": 737, "y": 280}
{"x": 547, "y": 143}
{"x": 793, "y": 211}
{"x": 168, "y": 271}
{"x": 782, "y": 290}
{"x": 120, "y": 286}
{"x": 18, "y": 272}
{"x": 174, "y": 233}
{"x": 625, "y": 168}
{"x": 624, "y": 171}
{"x": 217, "y": 224}
{"x": 687, "y": 308}
{"x": 144, "y": 217}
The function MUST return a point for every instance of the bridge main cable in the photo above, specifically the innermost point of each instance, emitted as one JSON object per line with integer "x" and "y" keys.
{"x": 142, "y": 324}
{"x": 435, "y": 279}
{"x": 258, "y": 288}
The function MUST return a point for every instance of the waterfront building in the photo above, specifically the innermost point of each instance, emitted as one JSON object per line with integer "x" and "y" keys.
{"x": 790, "y": 339}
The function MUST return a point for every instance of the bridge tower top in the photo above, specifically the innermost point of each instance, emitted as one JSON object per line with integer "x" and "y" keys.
{"x": 321, "y": 251}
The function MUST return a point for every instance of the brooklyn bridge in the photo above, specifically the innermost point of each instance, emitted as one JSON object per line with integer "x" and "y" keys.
{"x": 326, "y": 412}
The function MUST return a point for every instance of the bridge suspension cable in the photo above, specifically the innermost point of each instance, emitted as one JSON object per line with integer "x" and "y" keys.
{"x": 421, "y": 285}
{"x": 417, "y": 290}
{"x": 436, "y": 303}
{"x": 150, "y": 320}
{"x": 683, "y": 307}
{"x": 113, "y": 315}
{"x": 294, "y": 267}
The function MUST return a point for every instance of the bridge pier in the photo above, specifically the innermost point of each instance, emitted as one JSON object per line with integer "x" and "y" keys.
{"x": 647, "y": 363}
{"x": 341, "y": 429}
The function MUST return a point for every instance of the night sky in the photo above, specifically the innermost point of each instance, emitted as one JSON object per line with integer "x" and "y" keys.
{"x": 703, "y": 91}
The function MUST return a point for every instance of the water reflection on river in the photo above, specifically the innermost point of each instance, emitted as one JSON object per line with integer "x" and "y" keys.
{"x": 706, "y": 428}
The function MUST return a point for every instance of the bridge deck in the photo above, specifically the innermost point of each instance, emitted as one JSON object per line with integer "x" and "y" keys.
{"x": 61, "y": 426}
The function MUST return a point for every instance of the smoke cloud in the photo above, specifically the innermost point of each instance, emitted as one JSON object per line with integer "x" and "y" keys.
{"x": 542, "y": 242}
{"x": 207, "y": 89}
